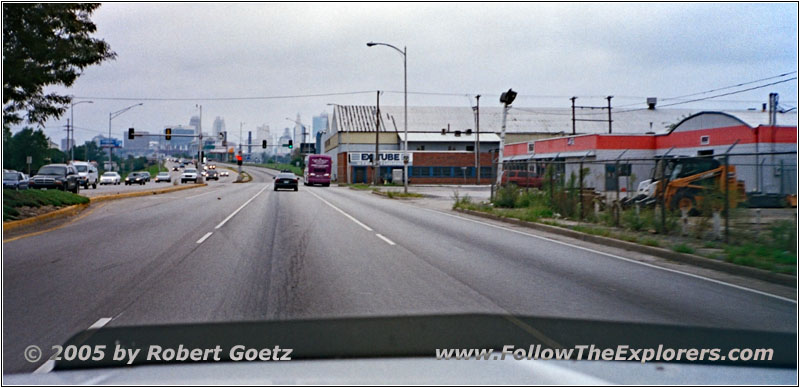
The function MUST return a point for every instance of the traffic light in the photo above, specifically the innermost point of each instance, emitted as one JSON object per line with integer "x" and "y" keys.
{"x": 130, "y": 133}
{"x": 168, "y": 133}
{"x": 263, "y": 144}
{"x": 239, "y": 159}
{"x": 290, "y": 144}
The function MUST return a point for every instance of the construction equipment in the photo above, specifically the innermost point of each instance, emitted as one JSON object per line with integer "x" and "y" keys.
{"x": 684, "y": 183}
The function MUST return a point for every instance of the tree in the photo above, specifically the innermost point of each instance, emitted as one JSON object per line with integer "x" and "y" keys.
{"x": 44, "y": 45}
{"x": 28, "y": 142}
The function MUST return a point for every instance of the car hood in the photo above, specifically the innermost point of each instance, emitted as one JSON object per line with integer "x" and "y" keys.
{"x": 421, "y": 336}
{"x": 47, "y": 176}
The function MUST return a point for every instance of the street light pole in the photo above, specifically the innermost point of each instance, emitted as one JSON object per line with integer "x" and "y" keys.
{"x": 405, "y": 109}
{"x": 111, "y": 116}
{"x": 478, "y": 139}
{"x": 72, "y": 127}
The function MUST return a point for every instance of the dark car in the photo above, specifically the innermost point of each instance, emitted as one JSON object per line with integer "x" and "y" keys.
{"x": 146, "y": 176}
{"x": 14, "y": 180}
{"x": 286, "y": 180}
{"x": 212, "y": 174}
{"x": 56, "y": 176}
{"x": 136, "y": 178}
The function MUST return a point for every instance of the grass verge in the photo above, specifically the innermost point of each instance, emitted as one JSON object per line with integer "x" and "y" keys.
{"x": 12, "y": 200}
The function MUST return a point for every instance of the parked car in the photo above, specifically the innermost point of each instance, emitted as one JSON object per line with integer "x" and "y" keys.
{"x": 136, "y": 178}
{"x": 56, "y": 176}
{"x": 87, "y": 174}
{"x": 522, "y": 178}
{"x": 163, "y": 177}
{"x": 189, "y": 174}
{"x": 14, "y": 180}
{"x": 110, "y": 178}
{"x": 212, "y": 174}
{"x": 286, "y": 180}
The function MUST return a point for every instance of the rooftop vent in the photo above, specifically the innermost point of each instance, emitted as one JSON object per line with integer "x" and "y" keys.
{"x": 651, "y": 103}
{"x": 468, "y": 131}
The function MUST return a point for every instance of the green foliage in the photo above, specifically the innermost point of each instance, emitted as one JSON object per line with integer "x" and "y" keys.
{"x": 784, "y": 236}
{"x": 633, "y": 221}
{"x": 45, "y": 45}
{"x": 13, "y": 199}
{"x": 27, "y": 142}
{"x": 400, "y": 194}
{"x": 682, "y": 248}
{"x": 506, "y": 196}
{"x": 282, "y": 166}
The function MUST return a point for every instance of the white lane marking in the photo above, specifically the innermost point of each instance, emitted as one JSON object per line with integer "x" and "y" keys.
{"x": 207, "y": 235}
{"x": 616, "y": 257}
{"x": 390, "y": 242}
{"x": 50, "y": 364}
{"x": 240, "y": 208}
{"x": 341, "y": 211}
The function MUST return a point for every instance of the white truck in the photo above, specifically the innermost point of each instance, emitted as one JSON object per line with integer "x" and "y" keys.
{"x": 87, "y": 174}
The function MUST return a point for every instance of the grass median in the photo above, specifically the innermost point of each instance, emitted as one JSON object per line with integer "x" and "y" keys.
{"x": 16, "y": 203}
{"x": 774, "y": 248}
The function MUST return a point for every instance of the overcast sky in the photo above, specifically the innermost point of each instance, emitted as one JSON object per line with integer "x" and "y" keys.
{"x": 546, "y": 52}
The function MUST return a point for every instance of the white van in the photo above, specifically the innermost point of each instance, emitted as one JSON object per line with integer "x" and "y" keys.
{"x": 87, "y": 174}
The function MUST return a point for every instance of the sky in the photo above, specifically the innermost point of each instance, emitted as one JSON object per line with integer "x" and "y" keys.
{"x": 209, "y": 53}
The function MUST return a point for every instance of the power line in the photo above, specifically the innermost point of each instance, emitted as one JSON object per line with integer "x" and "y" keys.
{"x": 222, "y": 98}
{"x": 732, "y": 86}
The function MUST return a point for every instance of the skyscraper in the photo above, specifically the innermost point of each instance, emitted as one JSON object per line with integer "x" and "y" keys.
{"x": 218, "y": 126}
{"x": 262, "y": 133}
{"x": 195, "y": 122}
{"x": 319, "y": 124}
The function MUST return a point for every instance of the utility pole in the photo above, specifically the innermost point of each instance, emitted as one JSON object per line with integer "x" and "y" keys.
{"x": 478, "y": 139}
{"x": 375, "y": 166}
{"x": 609, "y": 112}
{"x": 240, "y": 145}
{"x": 69, "y": 145}
{"x": 573, "y": 114}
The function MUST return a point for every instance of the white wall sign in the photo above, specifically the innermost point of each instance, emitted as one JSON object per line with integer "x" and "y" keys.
{"x": 391, "y": 158}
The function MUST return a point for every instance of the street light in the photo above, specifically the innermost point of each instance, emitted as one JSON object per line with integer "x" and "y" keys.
{"x": 72, "y": 129}
{"x": 405, "y": 110}
{"x": 111, "y": 116}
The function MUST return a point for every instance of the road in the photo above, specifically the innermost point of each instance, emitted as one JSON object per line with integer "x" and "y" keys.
{"x": 245, "y": 252}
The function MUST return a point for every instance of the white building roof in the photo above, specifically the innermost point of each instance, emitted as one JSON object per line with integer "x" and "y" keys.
{"x": 450, "y": 137}
{"x": 556, "y": 121}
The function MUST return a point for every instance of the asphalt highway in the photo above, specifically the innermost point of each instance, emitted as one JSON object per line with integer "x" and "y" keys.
{"x": 245, "y": 252}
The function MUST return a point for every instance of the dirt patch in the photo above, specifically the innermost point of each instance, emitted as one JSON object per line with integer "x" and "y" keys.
{"x": 29, "y": 211}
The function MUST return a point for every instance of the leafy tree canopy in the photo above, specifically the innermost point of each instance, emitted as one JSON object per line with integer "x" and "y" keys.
{"x": 44, "y": 45}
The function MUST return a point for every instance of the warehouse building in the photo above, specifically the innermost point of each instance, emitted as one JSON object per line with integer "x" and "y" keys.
{"x": 756, "y": 137}
{"x": 441, "y": 140}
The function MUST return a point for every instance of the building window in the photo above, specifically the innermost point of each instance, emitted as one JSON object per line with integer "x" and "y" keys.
{"x": 704, "y": 140}
{"x": 421, "y": 148}
{"x": 571, "y": 141}
{"x": 442, "y": 171}
{"x": 420, "y": 171}
{"x": 487, "y": 172}
{"x": 471, "y": 148}
{"x": 451, "y": 148}
{"x": 705, "y": 152}
{"x": 530, "y": 148}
